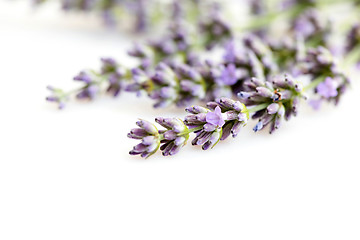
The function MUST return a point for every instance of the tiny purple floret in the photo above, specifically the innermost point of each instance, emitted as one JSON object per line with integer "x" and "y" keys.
{"x": 215, "y": 118}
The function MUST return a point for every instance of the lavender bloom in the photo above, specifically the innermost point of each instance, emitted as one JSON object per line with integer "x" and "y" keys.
{"x": 353, "y": 42}
{"x": 230, "y": 55}
{"x": 57, "y": 96}
{"x": 114, "y": 74}
{"x": 217, "y": 122}
{"x": 211, "y": 124}
{"x": 180, "y": 84}
{"x": 312, "y": 28}
{"x": 328, "y": 88}
{"x": 91, "y": 88}
{"x": 141, "y": 82}
{"x": 319, "y": 63}
{"x": 149, "y": 136}
{"x": 89, "y": 92}
{"x": 174, "y": 137}
{"x": 229, "y": 75}
{"x": 353, "y": 38}
{"x": 83, "y": 77}
{"x": 263, "y": 53}
{"x": 280, "y": 97}
{"x": 141, "y": 51}
{"x": 215, "y": 118}
{"x": 141, "y": 16}
{"x": 166, "y": 80}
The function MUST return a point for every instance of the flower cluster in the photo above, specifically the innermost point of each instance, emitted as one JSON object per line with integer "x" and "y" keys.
{"x": 329, "y": 81}
{"x": 220, "y": 119}
{"x": 149, "y": 136}
{"x": 277, "y": 97}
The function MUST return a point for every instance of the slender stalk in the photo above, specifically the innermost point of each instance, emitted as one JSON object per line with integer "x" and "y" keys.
{"x": 190, "y": 131}
{"x": 258, "y": 108}
{"x": 352, "y": 57}
{"x": 314, "y": 83}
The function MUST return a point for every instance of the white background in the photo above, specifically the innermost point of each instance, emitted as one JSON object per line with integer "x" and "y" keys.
{"x": 67, "y": 174}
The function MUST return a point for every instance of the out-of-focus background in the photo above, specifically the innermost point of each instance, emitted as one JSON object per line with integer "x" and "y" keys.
{"x": 67, "y": 174}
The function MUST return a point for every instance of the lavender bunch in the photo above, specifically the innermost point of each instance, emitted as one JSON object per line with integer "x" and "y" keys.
{"x": 259, "y": 76}
{"x": 269, "y": 99}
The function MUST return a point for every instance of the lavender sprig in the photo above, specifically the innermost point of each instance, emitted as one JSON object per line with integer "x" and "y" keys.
{"x": 211, "y": 124}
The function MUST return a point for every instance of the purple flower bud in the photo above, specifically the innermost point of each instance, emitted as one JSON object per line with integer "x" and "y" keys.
{"x": 214, "y": 138}
{"x": 170, "y": 135}
{"x": 179, "y": 141}
{"x": 84, "y": 77}
{"x": 264, "y": 92}
{"x": 208, "y": 127}
{"x": 273, "y": 108}
{"x": 229, "y": 75}
{"x": 236, "y": 128}
{"x": 147, "y": 126}
{"x": 137, "y": 133}
{"x": 196, "y": 110}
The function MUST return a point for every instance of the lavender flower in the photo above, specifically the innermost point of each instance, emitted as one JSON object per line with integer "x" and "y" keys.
{"x": 214, "y": 119}
{"x": 90, "y": 89}
{"x": 174, "y": 137}
{"x": 312, "y": 27}
{"x": 278, "y": 97}
{"x": 115, "y": 75}
{"x": 180, "y": 85}
{"x": 211, "y": 124}
{"x": 149, "y": 136}
{"x": 57, "y": 96}
{"x": 321, "y": 66}
{"x": 217, "y": 122}
{"x": 229, "y": 75}
{"x": 352, "y": 47}
{"x": 353, "y": 38}
{"x": 328, "y": 88}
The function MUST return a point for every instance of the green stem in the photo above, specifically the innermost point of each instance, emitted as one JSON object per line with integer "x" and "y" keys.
{"x": 190, "y": 131}
{"x": 314, "y": 83}
{"x": 352, "y": 57}
{"x": 258, "y": 108}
